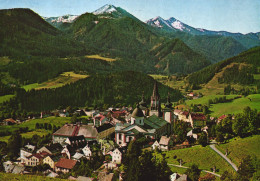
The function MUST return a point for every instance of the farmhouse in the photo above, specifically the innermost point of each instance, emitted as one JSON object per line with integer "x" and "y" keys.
{"x": 65, "y": 165}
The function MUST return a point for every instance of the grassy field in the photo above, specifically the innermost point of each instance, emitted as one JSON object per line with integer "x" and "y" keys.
{"x": 101, "y": 58}
{"x": 257, "y": 76}
{"x": 204, "y": 157}
{"x": 172, "y": 82}
{"x": 5, "y": 98}
{"x": 239, "y": 148}
{"x": 236, "y": 106}
{"x": 10, "y": 176}
{"x": 58, "y": 121}
{"x": 204, "y": 100}
{"x": 39, "y": 132}
{"x": 61, "y": 80}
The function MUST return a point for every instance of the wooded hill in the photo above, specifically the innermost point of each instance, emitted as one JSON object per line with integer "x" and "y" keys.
{"x": 238, "y": 69}
{"x": 119, "y": 35}
{"x": 122, "y": 87}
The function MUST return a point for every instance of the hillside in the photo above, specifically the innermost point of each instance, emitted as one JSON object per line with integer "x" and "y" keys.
{"x": 214, "y": 48}
{"x": 238, "y": 69}
{"x": 23, "y": 33}
{"x": 239, "y": 148}
{"x": 176, "y": 57}
{"x": 124, "y": 88}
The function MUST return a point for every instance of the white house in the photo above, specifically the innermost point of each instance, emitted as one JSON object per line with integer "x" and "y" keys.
{"x": 87, "y": 152}
{"x": 25, "y": 152}
{"x": 117, "y": 156}
{"x": 77, "y": 156}
{"x": 165, "y": 142}
{"x": 156, "y": 145}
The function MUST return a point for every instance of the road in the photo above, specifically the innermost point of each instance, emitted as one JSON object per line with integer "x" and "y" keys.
{"x": 213, "y": 147}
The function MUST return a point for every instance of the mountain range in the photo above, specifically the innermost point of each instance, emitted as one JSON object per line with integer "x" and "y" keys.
{"x": 157, "y": 46}
{"x": 248, "y": 40}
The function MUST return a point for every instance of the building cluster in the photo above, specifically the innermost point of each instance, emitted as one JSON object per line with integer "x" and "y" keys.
{"x": 111, "y": 130}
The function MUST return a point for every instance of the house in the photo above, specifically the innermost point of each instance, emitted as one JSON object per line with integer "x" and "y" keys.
{"x": 87, "y": 152}
{"x": 117, "y": 156}
{"x": 75, "y": 140}
{"x": 77, "y": 156}
{"x": 165, "y": 143}
{"x": 9, "y": 121}
{"x": 35, "y": 159}
{"x": 65, "y": 165}
{"x": 152, "y": 127}
{"x": 178, "y": 177}
{"x": 156, "y": 145}
{"x": 68, "y": 151}
{"x": 105, "y": 175}
{"x": 51, "y": 149}
{"x": 192, "y": 135}
{"x": 51, "y": 160}
{"x": 9, "y": 167}
{"x": 99, "y": 120}
{"x": 184, "y": 116}
{"x": 197, "y": 120}
{"x": 25, "y": 152}
{"x": 221, "y": 118}
{"x": 89, "y": 132}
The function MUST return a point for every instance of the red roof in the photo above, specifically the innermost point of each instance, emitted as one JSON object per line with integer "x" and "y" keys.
{"x": 222, "y": 117}
{"x": 66, "y": 163}
{"x": 198, "y": 116}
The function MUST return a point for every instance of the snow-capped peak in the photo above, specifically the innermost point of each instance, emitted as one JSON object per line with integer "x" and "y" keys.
{"x": 62, "y": 19}
{"x": 108, "y": 8}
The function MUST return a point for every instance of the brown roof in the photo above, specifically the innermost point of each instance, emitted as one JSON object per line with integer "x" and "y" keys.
{"x": 11, "y": 120}
{"x": 164, "y": 140}
{"x": 66, "y": 163}
{"x": 67, "y": 130}
{"x": 87, "y": 131}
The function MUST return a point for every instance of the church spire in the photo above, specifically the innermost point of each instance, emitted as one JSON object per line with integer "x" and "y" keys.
{"x": 155, "y": 90}
{"x": 168, "y": 103}
{"x": 155, "y": 101}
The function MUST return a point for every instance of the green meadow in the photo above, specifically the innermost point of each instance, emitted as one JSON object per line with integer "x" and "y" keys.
{"x": 204, "y": 157}
{"x": 239, "y": 148}
{"x": 236, "y": 106}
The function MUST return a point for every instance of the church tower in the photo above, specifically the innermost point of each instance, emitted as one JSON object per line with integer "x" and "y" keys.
{"x": 155, "y": 102}
{"x": 168, "y": 111}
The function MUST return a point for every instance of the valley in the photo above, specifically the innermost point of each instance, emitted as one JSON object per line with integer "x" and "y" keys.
{"x": 105, "y": 95}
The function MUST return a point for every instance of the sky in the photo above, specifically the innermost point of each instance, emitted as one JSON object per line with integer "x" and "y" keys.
{"x": 228, "y": 15}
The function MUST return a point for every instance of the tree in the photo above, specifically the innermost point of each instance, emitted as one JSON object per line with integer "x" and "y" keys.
{"x": 220, "y": 138}
{"x": 147, "y": 166}
{"x": 14, "y": 145}
{"x": 226, "y": 176}
{"x": 246, "y": 169}
{"x": 203, "y": 139}
{"x": 193, "y": 172}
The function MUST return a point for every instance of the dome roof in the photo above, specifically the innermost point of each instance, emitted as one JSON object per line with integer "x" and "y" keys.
{"x": 137, "y": 112}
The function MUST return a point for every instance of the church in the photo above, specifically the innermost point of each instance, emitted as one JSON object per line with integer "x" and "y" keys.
{"x": 153, "y": 122}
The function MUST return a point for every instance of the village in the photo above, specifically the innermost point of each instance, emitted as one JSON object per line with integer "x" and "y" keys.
{"x": 109, "y": 134}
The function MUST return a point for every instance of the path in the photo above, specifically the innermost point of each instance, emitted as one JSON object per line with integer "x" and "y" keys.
{"x": 202, "y": 170}
{"x": 213, "y": 147}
